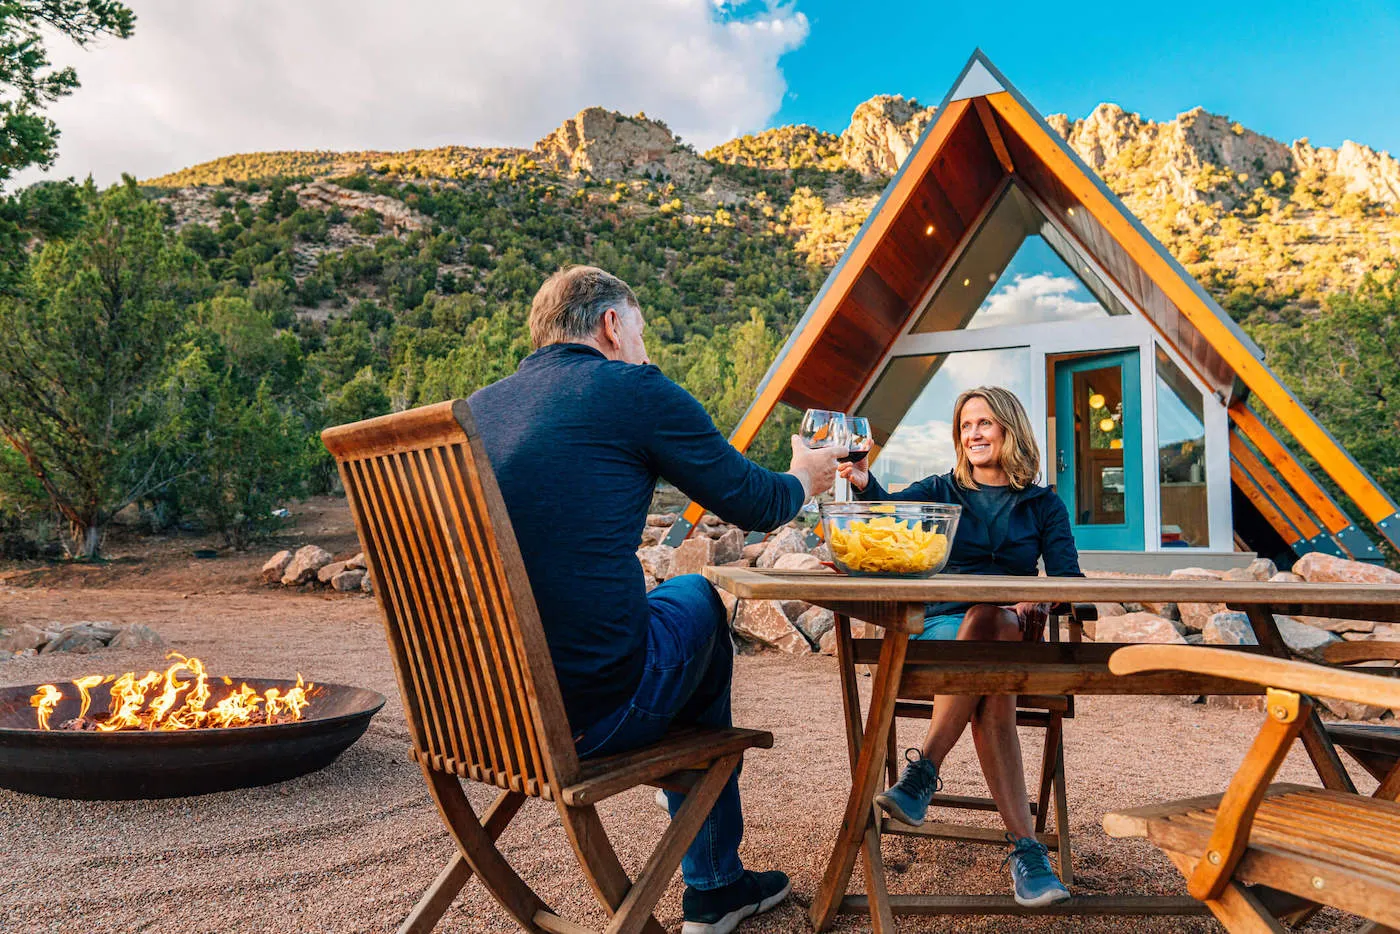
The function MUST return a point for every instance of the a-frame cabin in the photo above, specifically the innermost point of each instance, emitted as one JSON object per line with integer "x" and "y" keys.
{"x": 996, "y": 256}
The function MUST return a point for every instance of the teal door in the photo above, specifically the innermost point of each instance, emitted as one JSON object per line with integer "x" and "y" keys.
{"x": 1098, "y": 449}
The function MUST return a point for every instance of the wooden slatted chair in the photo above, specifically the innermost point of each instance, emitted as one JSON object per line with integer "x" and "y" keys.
{"x": 1375, "y": 746}
{"x": 478, "y": 686}
{"x": 1044, "y": 711}
{"x": 1261, "y": 850}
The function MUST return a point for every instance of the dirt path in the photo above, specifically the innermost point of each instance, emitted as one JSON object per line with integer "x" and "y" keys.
{"x": 350, "y": 848}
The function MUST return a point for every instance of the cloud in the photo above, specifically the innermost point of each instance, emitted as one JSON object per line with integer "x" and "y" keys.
{"x": 1038, "y": 298}
{"x": 916, "y": 451}
{"x": 204, "y": 79}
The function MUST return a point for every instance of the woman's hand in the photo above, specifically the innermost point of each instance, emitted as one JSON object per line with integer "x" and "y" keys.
{"x": 858, "y": 473}
{"x": 1031, "y": 617}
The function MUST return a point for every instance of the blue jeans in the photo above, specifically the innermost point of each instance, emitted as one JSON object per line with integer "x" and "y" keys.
{"x": 689, "y": 666}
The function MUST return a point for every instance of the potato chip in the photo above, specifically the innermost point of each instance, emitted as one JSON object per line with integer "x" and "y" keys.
{"x": 887, "y": 545}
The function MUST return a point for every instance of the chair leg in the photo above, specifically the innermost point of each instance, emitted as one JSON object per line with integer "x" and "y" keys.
{"x": 1237, "y": 910}
{"x": 1047, "y": 772}
{"x": 478, "y": 848}
{"x": 598, "y": 859}
{"x": 892, "y": 755}
{"x": 435, "y": 901}
{"x": 1062, "y": 817}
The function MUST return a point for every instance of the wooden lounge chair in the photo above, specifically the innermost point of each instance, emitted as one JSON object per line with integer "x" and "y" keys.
{"x": 1259, "y": 850}
{"x": 1375, "y": 746}
{"x": 478, "y": 686}
{"x": 1045, "y": 711}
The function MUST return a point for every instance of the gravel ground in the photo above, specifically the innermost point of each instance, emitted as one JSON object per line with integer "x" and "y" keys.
{"x": 351, "y": 847}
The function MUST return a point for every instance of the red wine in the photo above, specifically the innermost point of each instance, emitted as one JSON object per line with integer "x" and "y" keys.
{"x": 855, "y": 455}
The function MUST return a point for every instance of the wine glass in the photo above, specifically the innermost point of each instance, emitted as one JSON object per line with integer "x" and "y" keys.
{"x": 858, "y": 441}
{"x": 822, "y": 428}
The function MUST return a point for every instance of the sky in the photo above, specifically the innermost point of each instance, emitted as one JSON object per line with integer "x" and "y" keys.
{"x": 209, "y": 78}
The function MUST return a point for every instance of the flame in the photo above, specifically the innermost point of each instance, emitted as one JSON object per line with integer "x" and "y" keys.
{"x": 176, "y": 699}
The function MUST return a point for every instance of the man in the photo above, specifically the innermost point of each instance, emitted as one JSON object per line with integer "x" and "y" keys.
{"x": 578, "y": 437}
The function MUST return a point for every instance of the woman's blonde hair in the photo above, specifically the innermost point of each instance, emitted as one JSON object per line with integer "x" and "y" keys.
{"x": 1020, "y": 456}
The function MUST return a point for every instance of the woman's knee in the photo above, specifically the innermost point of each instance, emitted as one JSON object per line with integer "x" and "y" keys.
{"x": 988, "y": 623}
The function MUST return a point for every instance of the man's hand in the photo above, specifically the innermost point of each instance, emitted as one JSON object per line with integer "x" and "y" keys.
{"x": 858, "y": 473}
{"x": 815, "y": 467}
{"x": 1031, "y": 617}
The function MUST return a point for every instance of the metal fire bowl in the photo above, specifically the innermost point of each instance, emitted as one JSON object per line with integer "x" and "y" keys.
{"x": 156, "y": 764}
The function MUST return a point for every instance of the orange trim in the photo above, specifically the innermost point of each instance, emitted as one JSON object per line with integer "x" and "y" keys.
{"x": 1276, "y": 491}
{"x": 1293, "y": 473}
{"x": 1266, "y": 508}
{"x": 1265, "y": 386}
{"x": 989, "y": 124}
{"x": 854, "y": 263}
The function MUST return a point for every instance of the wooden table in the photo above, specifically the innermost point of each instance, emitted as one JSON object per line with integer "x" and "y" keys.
{"x": 921, "y": 670}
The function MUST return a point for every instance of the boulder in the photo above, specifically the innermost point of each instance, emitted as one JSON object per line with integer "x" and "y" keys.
{"x": 1138, "y": 627}
{"x": 366, "y": 584}
{"x": 304, "y": 564}
{"x": 1286, "y": 577}
{"x": 1228, "y": 628}
{"x": 656, "y": 561}
{"x": 1196, "y": 574}
{"x": 794, "y": 608}
{"x": 22, "y": 637}
{"x": 1350, "y": 710}
{"x": 348, "y": 580}
{"x": 356, "y": 563}
{"x": 1109, "y": 609}
{"x": 753, "y": 551}
{"x": 799, "y": 561}
{"x": 827, "y": 646}
{"x": 327, "y": 573}
{"x": 1316, "y": 568}
{"x": 1303, "y": 640}
{"x": 662, "y": 519}
{"x": 79, "y": 639}
{"x": 815, "y": 624}
{"x": 1263, "y": 569}
{"x": 729, "y": 546}
{"x": 276, "y": 566}
{"x": 693, "y": 554}
{"x": 652, "y": 535}
{"x": 788, "y": 541}
{"x": 1194, "y": 616}
{"x": 1165, "y": 610}
{"x": 730, "y": 602}
{"x": 137, "y": 636}
{"x": 710, "y": 519}
{"x": 1337, "y": 625}
{"x": 764, "y": 621}
{"x": 1386, "y": 632}
{"x": 822, "y": 552}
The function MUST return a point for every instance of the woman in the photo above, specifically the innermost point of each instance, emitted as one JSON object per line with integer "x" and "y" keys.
{"x": 1008, "y": 525}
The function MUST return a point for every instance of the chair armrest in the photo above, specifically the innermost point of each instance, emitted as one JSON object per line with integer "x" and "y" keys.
{"x": 1299, "y": 677}
{"x": 680, "y": 751}
{"x": 1349, "y": 653}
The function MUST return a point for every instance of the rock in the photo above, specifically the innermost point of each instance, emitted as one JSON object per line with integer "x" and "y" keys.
{"x": 1337, "y": 625}
{"x": 304, "y": 564}
{"x": 1109, "y": 609}
{"x": 764, "y": 621}
{"x": 79, "y": 639}
{"x": 356, "y": 563}
{"x": 729, "y": 546}
{"x": 822, "y": 552}
{"x": 661, "y": 520}
{"x": 137, "y": 636}
{"x": 21, "y": 637}
{"x": 753, "y": 551}
{"x": 326, "y": 574}
{"x": 693, "y": 554}
{"x": 366, "y": 584}
{"x": 1303, "y": 640}
{"x": 1138, "y": 627}
{"x": 323, "y": 194}
{"x": 816, "y": 624}
{"x": 1228, "y": 628}
{"x": 1194, "y": 616}
{"x": 275, "y": 567}
{"x": 793, "y": 609}
{"x": 798, "y": 561}
{"x": 1350, "y": 710}
{"x": 1315, "y": 567}
{"x": 1196, "y": 574}
{"x": 788, "y": 541}
{"x": 1164, "y": 610}
{"x": 1286, "y": 577}
{"x": 1263, "y": 569}
{"x": 652, "y": 535}
{"x": 1255, "y": 702}
{"x": 348, "y": 580}
{"x": 1386, "y": 632}
{"x": 882, "y": 133}
{"x": 607, "y": 144}
{"x": 656, "y": 561}
{"x": 711, "y": 520}
{"x": 827, "y": 646}
{"x": 730, "y": 602}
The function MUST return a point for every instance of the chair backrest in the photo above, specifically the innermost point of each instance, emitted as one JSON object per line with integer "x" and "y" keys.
{"x": 479, "y": 688}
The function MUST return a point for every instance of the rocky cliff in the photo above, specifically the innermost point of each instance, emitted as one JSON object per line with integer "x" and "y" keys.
{"x": 882, "y": 133}
{"x": 607, "y": 144}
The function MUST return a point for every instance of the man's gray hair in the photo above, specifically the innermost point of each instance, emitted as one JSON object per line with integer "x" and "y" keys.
{"x": 571, "y": 303}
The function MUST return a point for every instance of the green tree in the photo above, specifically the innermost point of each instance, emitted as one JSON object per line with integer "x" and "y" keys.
{"x": 85, "y": 344}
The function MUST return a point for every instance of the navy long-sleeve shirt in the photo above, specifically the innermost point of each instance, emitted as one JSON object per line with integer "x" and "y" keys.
{"x": 577, "y": 443}
{"x": 1035, "y": 527}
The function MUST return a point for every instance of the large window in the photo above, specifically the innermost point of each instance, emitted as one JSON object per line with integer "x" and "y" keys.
{"x": 1036, "y": 288}
{"x": 922, "y": 441}
{"x": 1181, "y": 458}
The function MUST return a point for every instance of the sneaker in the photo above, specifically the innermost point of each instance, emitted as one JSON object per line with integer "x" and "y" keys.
{"x": 719, "y": 911}
{"x": 1033, "y": 882}
{"x": 908, "y": 800}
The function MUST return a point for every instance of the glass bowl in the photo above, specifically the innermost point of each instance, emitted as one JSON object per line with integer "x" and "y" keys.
{"x": 889, "y": 538}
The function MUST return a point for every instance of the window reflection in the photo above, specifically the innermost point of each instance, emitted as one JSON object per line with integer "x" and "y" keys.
{"x": 1181, "y": 457}
{"x": 921, "y": 443}
{"x": 1036, "y": 288}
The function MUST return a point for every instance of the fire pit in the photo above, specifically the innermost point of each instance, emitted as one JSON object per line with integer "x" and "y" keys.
{"x": 174, "y": 733}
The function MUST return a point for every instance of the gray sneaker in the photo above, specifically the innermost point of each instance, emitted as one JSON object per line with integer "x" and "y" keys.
{"x": 1033, "y": 882}
{"x": 908, "y": 799}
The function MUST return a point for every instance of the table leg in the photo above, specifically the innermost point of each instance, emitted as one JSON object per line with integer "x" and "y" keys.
{"x": 870, "y": 754}
{"x": 1315, "y": 739}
